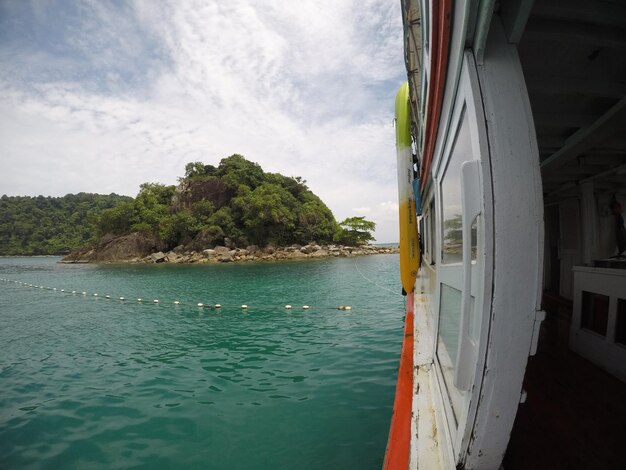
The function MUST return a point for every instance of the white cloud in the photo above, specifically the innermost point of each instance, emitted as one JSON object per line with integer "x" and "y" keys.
{"x": 302, "y": 88}
{"x": 385, "y": 214}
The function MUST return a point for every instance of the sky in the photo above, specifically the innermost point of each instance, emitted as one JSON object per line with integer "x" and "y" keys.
{"x": 101, "y": 96}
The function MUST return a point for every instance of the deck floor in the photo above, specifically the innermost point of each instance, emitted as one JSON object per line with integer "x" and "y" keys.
{"x": 575, "y": 413}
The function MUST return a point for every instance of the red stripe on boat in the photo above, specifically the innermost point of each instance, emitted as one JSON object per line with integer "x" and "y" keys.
{"x": 440, "y": 45}
{"x": 397, "y": 454}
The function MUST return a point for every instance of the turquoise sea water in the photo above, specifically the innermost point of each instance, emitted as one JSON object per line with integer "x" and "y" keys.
{"x": 90, "y": 382}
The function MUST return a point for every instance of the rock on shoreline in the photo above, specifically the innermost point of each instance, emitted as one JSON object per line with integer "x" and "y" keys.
{"x": 112, "y": 248}
{"x": 147, "y": 252}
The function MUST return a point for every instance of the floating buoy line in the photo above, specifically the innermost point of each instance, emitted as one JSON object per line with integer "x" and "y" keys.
{"x": 175, "y": 303}
{"x": 372, "y": 282}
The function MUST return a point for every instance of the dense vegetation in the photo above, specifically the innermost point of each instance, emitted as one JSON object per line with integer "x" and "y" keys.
{"x": 50, "y": 225}
{"x": 235, "y": 204}
{"x": 355, "y": 230}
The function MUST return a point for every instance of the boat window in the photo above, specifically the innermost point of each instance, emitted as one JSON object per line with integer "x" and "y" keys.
{"x": 474, "y": 234}
{"x": 461, "y": 247}
{"x": 447, "y": 343}
{"x": 422, "y": 234}
{"x": 451, "y": 294}
{"x": 432, "y": 230}
{"x": 452, "y": 239}
{"x": 423, "y": 101}
{"x": 427, "y": 232}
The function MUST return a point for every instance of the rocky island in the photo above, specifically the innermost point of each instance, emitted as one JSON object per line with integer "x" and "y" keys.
{"x": 136, "y": 249}
{"x": 230, "y": 213}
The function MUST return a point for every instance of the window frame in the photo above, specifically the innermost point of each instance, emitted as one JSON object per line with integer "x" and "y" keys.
{"x": 468, "y": 101}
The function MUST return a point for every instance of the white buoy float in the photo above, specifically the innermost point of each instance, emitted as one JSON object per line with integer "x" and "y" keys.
{"x": 200, "y": 305}
{"x": 156, "y": 301}
{"x": 122, "y": 298}
{"x": 139, "y": 300}
{"x": 305, "y": 307}
{"x": 288, "y": 307}
{"x": 218, "y": 306}
{"x": 176, "y": 302}
{"x": 95, "y": 295}
{"x": 244, "y": 306}
{"x": 84, "y": 293}
{"x": 107, "y": 297}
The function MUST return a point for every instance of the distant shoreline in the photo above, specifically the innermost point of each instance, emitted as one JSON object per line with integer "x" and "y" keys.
{"x": 221, "y": 254}
{"x": 32, "y": 256}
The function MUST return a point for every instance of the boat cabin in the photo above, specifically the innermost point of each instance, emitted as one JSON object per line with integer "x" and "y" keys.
{"x": 518, "y": 119}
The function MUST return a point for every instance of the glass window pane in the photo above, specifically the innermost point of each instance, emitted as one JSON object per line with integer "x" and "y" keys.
{"x": 449, "y": 318}
{"x": 433, "y": 233}
{"x": 474, "y": 235}
{"x": 448, "y": 340}
{"x": 452, "y": 246}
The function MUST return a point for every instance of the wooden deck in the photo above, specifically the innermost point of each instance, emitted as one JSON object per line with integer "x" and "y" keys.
{"x": 575, "y": 413}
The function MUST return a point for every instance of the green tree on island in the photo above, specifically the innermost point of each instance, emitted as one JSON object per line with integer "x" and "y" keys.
{"x": 44, "y": 225}
{"x": 234, "y": 203}
{"x": 355, "y": 231}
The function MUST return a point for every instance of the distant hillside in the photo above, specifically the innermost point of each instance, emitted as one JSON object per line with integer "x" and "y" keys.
{"x": 51, "y": 225}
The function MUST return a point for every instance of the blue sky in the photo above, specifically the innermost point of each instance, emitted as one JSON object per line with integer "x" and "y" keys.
{"x": 101, "y": 96}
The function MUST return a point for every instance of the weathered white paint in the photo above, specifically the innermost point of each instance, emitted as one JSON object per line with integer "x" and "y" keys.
{"x": 518, "y": 248}
{"x": 508, "y": 277}
{"x": 453, "y": 439}
{"x": 483, "y": 289}
{"x": 425, "y": 441}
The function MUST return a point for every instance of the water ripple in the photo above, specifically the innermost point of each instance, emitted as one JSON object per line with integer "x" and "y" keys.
{"x": 96, "y": 383}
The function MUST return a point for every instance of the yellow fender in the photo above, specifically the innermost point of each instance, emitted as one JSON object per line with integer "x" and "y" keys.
{"x": 409, "y": 241}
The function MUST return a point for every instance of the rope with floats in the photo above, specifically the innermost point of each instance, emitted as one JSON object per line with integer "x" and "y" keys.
{"x": 175, "y": 303}
{"x": 372, "y": 282}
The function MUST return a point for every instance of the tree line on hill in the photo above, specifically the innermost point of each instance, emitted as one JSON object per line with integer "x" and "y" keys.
{"x": 51, "y": 225}
{"x": 235, "y": 203}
